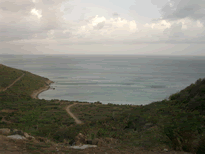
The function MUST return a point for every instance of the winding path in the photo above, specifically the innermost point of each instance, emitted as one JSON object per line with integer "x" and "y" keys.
{"x": 14, "y": 82}
{"x": 72, "y": 115}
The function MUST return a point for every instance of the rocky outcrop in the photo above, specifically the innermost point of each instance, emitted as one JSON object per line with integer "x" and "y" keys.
{"x": 80, "y": 139}
{"x": 16, "y": 134}
{"x": 18, "y": 137}
{"x": 83, "y": 146}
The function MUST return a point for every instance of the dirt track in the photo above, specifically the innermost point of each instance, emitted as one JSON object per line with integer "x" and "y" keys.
{"x": 72, "y": 115}
{"x": 13, "y": 82}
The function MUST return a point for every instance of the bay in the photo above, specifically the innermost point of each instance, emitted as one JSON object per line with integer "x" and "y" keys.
{"x": 117, "y": 79}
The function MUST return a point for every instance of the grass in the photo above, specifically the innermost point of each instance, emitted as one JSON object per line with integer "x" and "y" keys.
{"x": 8, "y": 75}
{"x": 23, "y": 88}
{"x": 38, "y": 117}
{"x": 94, "y": 112}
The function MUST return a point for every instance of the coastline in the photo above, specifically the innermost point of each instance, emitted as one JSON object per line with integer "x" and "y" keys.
{"x": 42, "y": 89}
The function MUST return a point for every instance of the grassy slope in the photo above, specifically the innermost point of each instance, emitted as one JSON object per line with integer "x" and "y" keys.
{"x": 38, "y": 117}
{"x": 93, "y": 112}
{"x": 21, "y": 89}
{"x": 8, "y": 75}
{"x": 177, "y": 123}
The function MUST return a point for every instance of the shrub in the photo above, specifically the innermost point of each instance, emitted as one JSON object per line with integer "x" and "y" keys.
{"x": 174, "y": 96}
{"x": 4, "y": 85}
{"x": 201, "y": 146}
{"x": 102, "y": 132}
{"x": 182, "y": 131}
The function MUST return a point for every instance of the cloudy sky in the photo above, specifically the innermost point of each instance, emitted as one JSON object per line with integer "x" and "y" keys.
{"x": 157, "y": 27}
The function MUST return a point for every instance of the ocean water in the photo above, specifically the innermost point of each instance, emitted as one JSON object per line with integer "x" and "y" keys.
{"x": 113, "y": 79}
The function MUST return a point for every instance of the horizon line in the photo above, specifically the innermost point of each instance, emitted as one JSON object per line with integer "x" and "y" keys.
{"x": 104, "y": 54}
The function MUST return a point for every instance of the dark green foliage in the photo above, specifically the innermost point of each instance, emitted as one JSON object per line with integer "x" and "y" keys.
{"x": 174, "y": 96}
{"x": 201, "y": 146}
{"x": 182, "y": 130}
{"x": 186, "y": 123}
{"x": 136, "y": 124}
{"x": 67, "y": 133}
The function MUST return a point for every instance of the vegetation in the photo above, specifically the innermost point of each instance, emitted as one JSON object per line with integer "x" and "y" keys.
{"x": 94, "y": 112}
{"x": 38, "y": 117}
{"x": 176, "y": 123}
{"x": 8, "y": 75}
{"x": 21, "y": 89}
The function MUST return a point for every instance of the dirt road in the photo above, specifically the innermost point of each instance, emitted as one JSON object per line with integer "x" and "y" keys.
{"x": 13, "y": 82}
{"x": 72, "y": 115}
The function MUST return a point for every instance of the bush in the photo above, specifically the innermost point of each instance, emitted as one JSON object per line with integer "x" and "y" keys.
{"x": 182, "y": 131}
{"x": 102, "y": 132}
{"x": 201, "y": 146}
{"x": 67, "y": 133}
{"x": 4, "y": 85}
{"x": 174, "y": 96}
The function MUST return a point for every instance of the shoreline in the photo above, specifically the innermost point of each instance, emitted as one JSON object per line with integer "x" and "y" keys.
{"x": 42, "y": 89}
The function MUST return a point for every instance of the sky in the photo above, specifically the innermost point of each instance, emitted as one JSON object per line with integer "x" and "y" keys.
{"x": 144, "y": 27}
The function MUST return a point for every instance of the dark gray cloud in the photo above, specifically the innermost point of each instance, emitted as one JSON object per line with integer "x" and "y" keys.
{"x": 17, "y": 22}
{"x": 16, "y": 6}
{"x": 178, "y": 9}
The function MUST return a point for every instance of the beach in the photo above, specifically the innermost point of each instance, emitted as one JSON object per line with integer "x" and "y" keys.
{"x": 42, "y": 89}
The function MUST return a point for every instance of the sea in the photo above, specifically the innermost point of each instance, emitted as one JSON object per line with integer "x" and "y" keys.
{"x": 116, "y": 79}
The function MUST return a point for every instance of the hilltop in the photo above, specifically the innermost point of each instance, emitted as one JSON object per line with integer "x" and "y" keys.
{"x": 174, "y": 124}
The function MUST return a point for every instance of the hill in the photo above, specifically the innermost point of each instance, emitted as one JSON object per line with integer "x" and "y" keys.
{"x": 176, "y": 124}
{"x": 26, "y": 87}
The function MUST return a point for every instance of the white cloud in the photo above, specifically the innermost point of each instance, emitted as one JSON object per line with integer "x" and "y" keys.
{"x": 97, "y": 20}
{"x": 161, "y": 25}
{"x": 44, "y": 21}
{"x": 36, "y": 12}
{"x": 107, "y": 27}
{"x": 199, "y": 24}
{"x": 133, "y": 26}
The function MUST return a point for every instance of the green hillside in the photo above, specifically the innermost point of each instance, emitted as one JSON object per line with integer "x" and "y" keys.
{"x": 177, "y": 123}
{"x": 23, "y": 88}
{"x": 8, "y": 75}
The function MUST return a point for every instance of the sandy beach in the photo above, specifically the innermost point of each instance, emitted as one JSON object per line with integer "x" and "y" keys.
{"x": 42, "y": 89}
